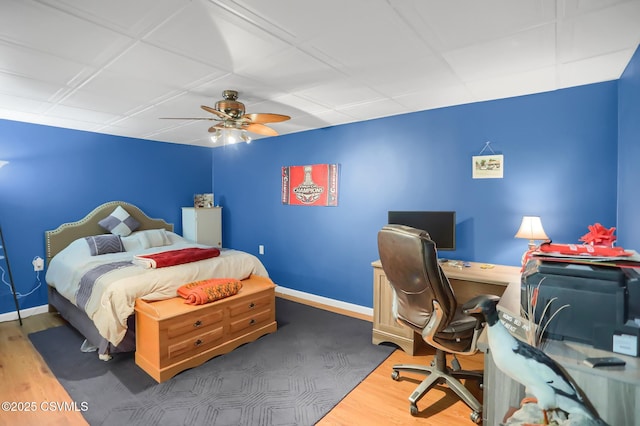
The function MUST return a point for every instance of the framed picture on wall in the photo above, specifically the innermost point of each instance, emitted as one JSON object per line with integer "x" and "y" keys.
{"x": 487, "y": 166}
{"x": 310, "y": 185}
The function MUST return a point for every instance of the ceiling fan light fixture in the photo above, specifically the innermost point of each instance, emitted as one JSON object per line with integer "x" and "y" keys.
{"x": 230, "y": 136}
{"x": 215, "y": 136}
{"x": 233, "y": 123}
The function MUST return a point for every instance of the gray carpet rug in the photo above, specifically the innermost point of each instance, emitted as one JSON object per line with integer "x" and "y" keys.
{"x": 291, "y": 377}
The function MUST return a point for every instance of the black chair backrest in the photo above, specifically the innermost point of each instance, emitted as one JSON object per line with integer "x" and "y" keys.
{"x": 410, "y": 262}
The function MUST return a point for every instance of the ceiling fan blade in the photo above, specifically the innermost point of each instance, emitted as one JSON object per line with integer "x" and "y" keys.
{"x": 187, "y": 118}
{"x": 266, "y": 118}
{"x": 261, "y": 129}
{"x": 216, "y": 112}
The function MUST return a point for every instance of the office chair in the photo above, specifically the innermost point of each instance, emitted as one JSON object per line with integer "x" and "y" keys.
{"x": 424, "y": 301}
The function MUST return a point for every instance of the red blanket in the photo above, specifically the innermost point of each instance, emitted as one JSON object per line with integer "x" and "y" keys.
{"x": 175, "y": 257}
{"x": 205, "y": 291}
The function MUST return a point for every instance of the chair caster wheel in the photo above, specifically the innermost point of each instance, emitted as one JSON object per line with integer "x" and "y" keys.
{"x": 395, "y": 375}
{"x": 476, "y": 417}
{"x": 414, "y": 409}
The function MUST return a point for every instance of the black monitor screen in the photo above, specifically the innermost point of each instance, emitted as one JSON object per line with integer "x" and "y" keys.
{"x": 441, "y": 226}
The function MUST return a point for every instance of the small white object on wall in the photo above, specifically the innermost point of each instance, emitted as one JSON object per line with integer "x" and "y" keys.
{"x": 488, "y": 166}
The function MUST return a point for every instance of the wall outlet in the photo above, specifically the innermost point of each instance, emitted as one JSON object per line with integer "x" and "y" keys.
{"x": 261, "y": 249}
{"x": 38, "y": 264}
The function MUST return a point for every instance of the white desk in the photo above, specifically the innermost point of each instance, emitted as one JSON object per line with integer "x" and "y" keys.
{"x": 613, "y": 391}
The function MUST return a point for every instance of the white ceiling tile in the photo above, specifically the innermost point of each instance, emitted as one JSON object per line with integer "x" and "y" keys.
{"x": 30, "y": 88}
{"x": 131, "y": 17}
{"x": 305, "y": 122}
{"x": 527, "y": 50}
{"x": 572, "y": 8}
{"x": 22, "y": 105}
{"x": 450, "y": 25}
{"x": 607, "y": 31}
{"x": 143, "y": 61}
{"x": 600, "y": 68}
{"x": 372, "y": 41}
{"x": 37, "y": 65}
{"x": 117, "y": 93}
{"x": 394, "y": 79}
{"x": 82, "y": 114}
{"x": 290, "y": 70}
{"x": 295, "y": 105}
{"x": 51, "y": 31}
{"x": 540, "y": 80}
{"x": 72, "y": 123}
{"x": 376, "y": 109}
{"x": 339, "y": 93}
{"x": 304, "y": 20}
{"x": 435, "y": 97}
{"x": 208, "y": 33}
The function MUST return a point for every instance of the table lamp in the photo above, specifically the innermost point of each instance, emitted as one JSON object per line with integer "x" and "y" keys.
{"x": 531, "y": 229}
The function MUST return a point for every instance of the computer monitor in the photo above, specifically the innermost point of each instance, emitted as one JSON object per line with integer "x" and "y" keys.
{"x": 441, "y": 225}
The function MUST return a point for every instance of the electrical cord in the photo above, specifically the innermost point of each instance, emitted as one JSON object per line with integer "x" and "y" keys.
{"x": 18, "y": 294}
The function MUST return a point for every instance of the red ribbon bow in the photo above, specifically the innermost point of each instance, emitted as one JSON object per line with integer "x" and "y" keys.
{"x": 599, "y": 235}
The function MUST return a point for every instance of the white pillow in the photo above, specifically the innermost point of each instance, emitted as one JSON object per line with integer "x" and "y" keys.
{"x": 132, "y": 242}
{"x": 176, "y": 239}
{"x": 153, "y": 238}
{"x": 79, "y": 249}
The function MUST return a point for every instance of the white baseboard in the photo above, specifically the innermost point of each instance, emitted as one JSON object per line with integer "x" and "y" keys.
{"x": 12, "y": 316}
{"x": 350, "y": 307}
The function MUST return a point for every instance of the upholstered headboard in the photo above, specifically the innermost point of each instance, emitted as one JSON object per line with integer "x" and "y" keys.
{"x": 59, "y": 238}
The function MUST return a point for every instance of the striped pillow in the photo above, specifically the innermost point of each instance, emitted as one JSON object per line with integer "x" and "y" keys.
{"x": 104, "y": 244}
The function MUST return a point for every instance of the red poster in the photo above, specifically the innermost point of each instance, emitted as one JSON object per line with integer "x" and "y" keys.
{"x": 313, "y": 185}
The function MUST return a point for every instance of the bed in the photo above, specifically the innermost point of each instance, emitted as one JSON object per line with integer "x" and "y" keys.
{"x": 105, "y": 316}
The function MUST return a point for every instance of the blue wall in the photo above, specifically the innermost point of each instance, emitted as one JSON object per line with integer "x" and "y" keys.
{"x": 560, "y": 151}
{"x": 561, "y": 162}
{"x": 57, "y": 175}
{"x": 629, "y": 147}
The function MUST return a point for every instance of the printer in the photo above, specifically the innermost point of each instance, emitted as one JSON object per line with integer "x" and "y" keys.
{"x": 602, "y": 301}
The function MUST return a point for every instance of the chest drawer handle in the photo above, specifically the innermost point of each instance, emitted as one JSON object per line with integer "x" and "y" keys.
{"x": 252, "y": 321}
{"x": 198, "y": 342}
{"x": 252, "y": 305}
{"x": 197, "y": 323}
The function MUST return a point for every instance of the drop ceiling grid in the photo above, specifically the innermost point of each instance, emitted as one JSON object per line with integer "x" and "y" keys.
{"x": 119, "y": 66}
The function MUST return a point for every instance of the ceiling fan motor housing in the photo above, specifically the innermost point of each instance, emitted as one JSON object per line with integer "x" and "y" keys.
{"x": 229, "y": 105}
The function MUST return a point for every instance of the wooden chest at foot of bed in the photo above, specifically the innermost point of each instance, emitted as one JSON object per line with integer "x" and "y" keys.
{"x": 172, "y": 336}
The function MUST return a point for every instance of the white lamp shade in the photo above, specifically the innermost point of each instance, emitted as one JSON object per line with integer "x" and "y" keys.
{"x": 531, "y": 229}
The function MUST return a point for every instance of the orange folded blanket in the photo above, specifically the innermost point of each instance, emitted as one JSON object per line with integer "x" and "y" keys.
{"x": 175, "y": 257}
{"x": 210, "y": 290}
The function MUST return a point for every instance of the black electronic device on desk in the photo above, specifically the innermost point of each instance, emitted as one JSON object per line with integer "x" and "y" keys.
{"x": 603, "y": 303}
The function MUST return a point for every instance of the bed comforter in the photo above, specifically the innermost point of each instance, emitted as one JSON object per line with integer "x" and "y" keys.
{"x": 107, "y": 286}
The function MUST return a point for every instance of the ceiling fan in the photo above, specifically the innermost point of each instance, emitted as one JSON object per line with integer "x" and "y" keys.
{"x": 230, "y": 113}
